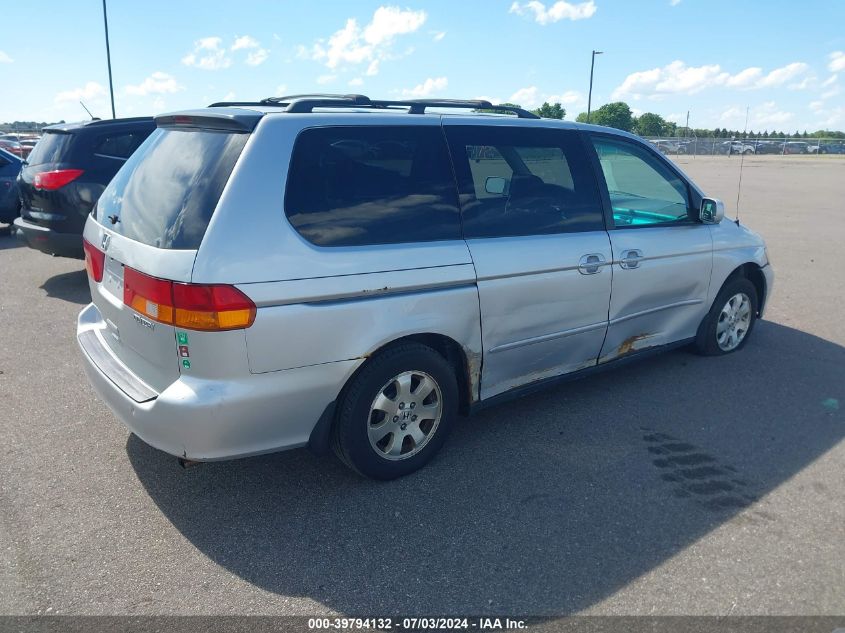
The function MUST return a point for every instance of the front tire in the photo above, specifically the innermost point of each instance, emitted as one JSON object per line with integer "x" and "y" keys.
{"x": 731, "y": 319}
{"x": 396, "y": 412}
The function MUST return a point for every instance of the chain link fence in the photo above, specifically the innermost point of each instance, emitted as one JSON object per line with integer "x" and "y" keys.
{"x": 710, "y": 146}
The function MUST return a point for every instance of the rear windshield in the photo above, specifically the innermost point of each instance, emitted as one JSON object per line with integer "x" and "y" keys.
{"x": 165, "y": 194}
{"x": 51, "y": 148}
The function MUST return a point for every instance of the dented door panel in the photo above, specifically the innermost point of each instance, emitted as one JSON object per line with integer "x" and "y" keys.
{"x": 664, "y": 298}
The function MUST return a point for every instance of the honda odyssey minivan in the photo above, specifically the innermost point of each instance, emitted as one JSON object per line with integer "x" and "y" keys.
{"x": 336, "y": 271}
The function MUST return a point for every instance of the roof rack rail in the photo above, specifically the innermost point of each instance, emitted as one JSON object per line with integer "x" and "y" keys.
{"x": 307, "y": 103}
{"x": 223, "y": 104}
{"x": 475, "y": 104}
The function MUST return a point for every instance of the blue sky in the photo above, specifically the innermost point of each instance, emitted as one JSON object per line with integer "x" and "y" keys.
{"x": 784, "y": 60}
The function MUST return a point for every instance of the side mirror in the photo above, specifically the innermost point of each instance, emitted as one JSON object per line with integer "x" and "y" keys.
{"x": 495, "y": 185}
{"x": 712, "y": 211}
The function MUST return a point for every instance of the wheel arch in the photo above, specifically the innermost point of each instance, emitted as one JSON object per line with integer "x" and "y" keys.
{"x": 754, "y": 273}
{"x": 467, "y": 366}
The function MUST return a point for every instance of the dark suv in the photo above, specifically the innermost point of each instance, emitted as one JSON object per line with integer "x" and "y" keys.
{"x": 64, "y": 176}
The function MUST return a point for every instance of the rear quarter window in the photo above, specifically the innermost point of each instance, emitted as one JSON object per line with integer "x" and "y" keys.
{"x": 350, "y": 186}
{"x": 166, "y": 192}
{"x": 119, "y": 145}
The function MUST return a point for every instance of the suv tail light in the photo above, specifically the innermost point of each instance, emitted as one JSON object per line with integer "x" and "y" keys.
{"x": 56, "y": 179}
{"x": 95, "y": 260}
{"x": 208, "y": 307}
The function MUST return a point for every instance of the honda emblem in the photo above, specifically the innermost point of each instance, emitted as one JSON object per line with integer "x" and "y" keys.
{"x": 105, "y": 241}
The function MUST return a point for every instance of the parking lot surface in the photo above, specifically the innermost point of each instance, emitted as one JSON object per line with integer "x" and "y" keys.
{"x": 677, "y": 485}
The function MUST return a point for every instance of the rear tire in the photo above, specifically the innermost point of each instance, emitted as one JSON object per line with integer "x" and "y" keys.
{"x": 396, "y": 412}
{"x": 731, "y": 319}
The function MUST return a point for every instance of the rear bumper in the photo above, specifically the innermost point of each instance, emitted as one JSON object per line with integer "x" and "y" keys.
{"x": 206, "y": 420}
{"x": 47, "y": 240}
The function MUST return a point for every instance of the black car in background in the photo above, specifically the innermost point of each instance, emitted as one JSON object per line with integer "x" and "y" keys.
{"x": 10, "y": 167}
{"x": 64, "y": 176}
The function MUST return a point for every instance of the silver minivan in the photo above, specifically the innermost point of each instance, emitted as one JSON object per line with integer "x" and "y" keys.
{"x": 335, "y": 271}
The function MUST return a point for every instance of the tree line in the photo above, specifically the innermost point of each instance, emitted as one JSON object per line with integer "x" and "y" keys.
{"x": 25, "y": 126}
{"x": 618, "y": 115}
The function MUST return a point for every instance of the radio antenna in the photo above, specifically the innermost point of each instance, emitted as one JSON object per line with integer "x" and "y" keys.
{"x": 741, "y": 161}
{"x": 87, "y": 110}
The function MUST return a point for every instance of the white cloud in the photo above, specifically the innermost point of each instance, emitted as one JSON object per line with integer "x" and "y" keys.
{"x": 677, "y": 78}
{"x": 439, "y": 35}
{"x": 558, "y": 11}
{"x": 281, "y": 90}
{"x": 764, "y": 116}
{"x": 674, "y": 3}
{"x": 531, "y": 97}
{"x": 357, "y": 81}
{"x": 526, "y": 97}
{"x": 326, "y": 79}
{"x": 257, "y": 57}
{"x": 837, "y": 61}
{"x": 244, "y": 41}
{"x": 830, "y": 81}
{"x": 570, "y": 97}
{"x": 208, "y": 55}
{"x": 353, "y": 45}
{"x": 229, "y": 96}
{"x": 745, "y": 78}
{"x": 90, "y": 90}
{"x": 427, "y": 88}
{"x": 4, "y": 58}
{"x": 828, "y": 118}
{"x": 780, "y": 76}
{"x": 157, "y": 83}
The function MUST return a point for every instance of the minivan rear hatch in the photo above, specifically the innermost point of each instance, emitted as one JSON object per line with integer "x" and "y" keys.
{"x": 143, "y": 236}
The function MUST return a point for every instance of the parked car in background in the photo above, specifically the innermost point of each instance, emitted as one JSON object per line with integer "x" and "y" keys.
{"x": 28, "y": 144}
{"x": 10, "y": 167}
{"x": 826, "y": 148}
{"x": 17, "y": 138}
{"x": 735, "y": 147}
{"x": 274, "y": 275}
{"x": 667, "y": 146}
{"x": 65, "y": 175}
{"x": 13, "y": 147}
{"x": 768, "y": 147}
{"x": 795, "y": 147}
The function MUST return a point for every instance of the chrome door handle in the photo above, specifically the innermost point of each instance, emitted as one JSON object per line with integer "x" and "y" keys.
{"x": 590, "y": 264}
{"x": 631, "y": 258}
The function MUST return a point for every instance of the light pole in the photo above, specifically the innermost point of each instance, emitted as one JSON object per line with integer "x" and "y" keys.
{"x": 590, "y": 95}
{"x": 108, "y": 59}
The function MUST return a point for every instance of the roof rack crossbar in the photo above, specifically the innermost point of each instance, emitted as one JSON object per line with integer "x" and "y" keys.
{"x": 307, "y": 102}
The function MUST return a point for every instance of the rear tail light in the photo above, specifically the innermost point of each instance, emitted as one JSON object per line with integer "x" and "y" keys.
{"x": 208, "y": 307}
{"x": 56, "y": 179}
{"x": 95, "y": 260}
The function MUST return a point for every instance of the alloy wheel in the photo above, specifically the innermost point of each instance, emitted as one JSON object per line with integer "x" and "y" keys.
{"x": 734, "y": 321}
{"x": 404, "y": 415}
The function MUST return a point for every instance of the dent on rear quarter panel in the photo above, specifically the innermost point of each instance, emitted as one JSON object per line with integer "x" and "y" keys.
{"x": 301, "y": 334}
